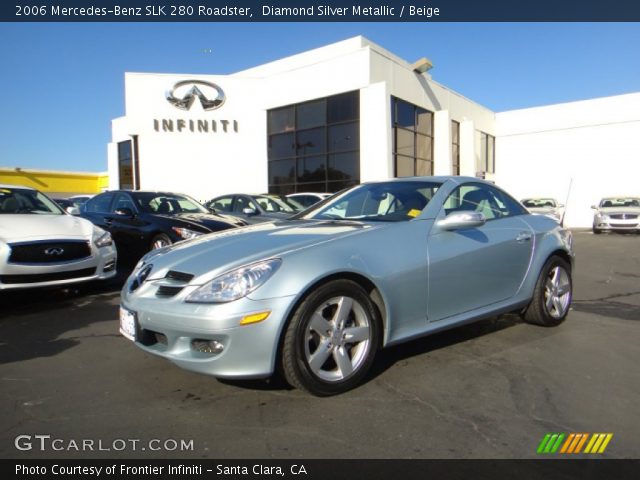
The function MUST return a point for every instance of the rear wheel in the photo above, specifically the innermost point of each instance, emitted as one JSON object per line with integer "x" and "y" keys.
{"x": 332, "y": 339}
{"x": 552, "y": 295}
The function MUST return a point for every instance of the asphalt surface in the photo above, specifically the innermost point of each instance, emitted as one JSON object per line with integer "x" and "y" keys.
{"x": 488, "y": 390}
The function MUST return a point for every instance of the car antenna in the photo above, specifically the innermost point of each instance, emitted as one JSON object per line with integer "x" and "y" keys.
{"x": 566, "y": 202}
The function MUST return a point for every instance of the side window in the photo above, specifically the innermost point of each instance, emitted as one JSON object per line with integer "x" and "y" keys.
{"x": 223, "y": 204}
{"x": 478, "y": 197}
{"x": 123, "y": 201}
{"x": 241, "y": 204}
{"x": 99, "y": 204}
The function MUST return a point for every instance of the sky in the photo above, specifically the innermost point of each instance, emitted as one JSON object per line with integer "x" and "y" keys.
{"x": 63, "y": 83}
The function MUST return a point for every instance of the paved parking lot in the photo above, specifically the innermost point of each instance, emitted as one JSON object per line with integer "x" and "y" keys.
{"x": 488, "y": 390}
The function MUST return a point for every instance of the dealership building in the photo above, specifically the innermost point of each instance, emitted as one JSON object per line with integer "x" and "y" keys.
{"x": 296, "y": 124}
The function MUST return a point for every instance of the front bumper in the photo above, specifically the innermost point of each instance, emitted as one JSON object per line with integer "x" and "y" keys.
{"x": 616, "y": 224}
{"x": 172, "y": 329}
{"x": 101, "y": 265}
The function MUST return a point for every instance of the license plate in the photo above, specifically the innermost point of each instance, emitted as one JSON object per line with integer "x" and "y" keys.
{"x": 128, "y": 324}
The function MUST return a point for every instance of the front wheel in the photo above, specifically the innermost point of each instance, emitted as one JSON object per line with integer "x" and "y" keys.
{"x": 332, "y": 339}
{"x": 552, "y": 295}
{"x": 159, "y": 241}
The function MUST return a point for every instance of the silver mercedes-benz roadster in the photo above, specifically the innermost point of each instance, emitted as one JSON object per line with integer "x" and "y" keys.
{"x": 317, "y": 295}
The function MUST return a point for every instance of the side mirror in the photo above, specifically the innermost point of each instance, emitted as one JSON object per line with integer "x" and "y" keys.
{"x": 594, "y": 207}
{"x": 249, "y": 211}
{"x": 124, "y": 212}
{"x": 72, "y": 210}
{"x": 464, "y": 219}
{"x": 560, "y": 205}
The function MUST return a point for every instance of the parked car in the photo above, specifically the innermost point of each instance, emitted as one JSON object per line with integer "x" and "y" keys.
{"x": 141, "y": 221}
{"x": 41, "y": 245}
{"x": 68, "y": 205}
{"x": 544, "y": 206}
{"x": 307, "y": 199}
{"x": 80, "y": 199}
{"x": 317, "y": 295}
{"x": 617, "y": 214}
{"x": 255, "y": 208}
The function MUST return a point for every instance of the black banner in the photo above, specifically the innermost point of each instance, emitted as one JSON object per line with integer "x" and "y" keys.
{"x": 322, "y": 469}
{"x": 323, "y": 11}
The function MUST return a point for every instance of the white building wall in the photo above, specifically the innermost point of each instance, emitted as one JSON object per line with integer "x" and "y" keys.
{"x": 592, "y": 145}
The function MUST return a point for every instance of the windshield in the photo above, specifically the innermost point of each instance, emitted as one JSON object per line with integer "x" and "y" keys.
{"x": 167, "y": 203}
{"x": 539, "y": 202}
{"x": 22, "y": 200}
{"x": 620, "y": 202}
{"x": 378, "y": 202}
{"x": 272, "y": 203}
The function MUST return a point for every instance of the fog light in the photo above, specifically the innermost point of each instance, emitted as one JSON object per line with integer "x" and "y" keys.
{"x": 207, "y": 346}
{"x": 110, "y": 265}
{"x": 254, "y": 318}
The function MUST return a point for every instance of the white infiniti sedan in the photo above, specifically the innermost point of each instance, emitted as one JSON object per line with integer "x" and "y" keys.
{"x": 41, "y": 245}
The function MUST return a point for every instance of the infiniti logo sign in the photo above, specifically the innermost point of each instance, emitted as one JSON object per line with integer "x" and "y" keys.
{"x": 184, "y": 93}
{"x": 57, "y": 251}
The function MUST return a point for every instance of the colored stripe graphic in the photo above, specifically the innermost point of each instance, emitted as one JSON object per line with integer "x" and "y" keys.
{"x": 574, "y": 443}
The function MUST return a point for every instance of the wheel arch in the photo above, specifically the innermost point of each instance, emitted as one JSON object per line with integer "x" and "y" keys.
{"x": 367, "y": 285}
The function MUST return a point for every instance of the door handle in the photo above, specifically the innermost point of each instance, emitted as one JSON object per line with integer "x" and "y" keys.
{"x": 523, "y": 237}
{"x": 108, "y": 220}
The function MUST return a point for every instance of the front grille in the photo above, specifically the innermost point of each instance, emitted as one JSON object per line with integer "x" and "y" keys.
{"x": 49, "y": 252}
{"x": 179, "y": 276}
{"x": 624, "y": 216}
{"x": 167, "y": 291}
{"x": 622, "y": 225}
{"x": 47, "y": 277}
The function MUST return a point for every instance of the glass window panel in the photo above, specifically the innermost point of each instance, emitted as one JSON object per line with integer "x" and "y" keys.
{"x": 455, "y": 132}
{"x": 333, "y": 187}
{"x": 405, "y": 115}
{"x": 425, "y": 121}
{"x": 405, "y": 142}
{"x": 281, "y": 120}
{"x": 344, "y": 137}
{"x": 312, "y": 169}
{"x": 342, "y": 108}
{"x": 124, "y": 152}
{"x": 404, "y": 166}
{"x": 424, "y": 168}
{"x": 281, "y": 146}
{"x": 311, "y": 114}
{"x": 282, "y": 171}
{"x": 424, "y": 147}
{"x": 483, "y": 151}
{"x": 311, "y": 187}
{"x": 491, "y": 168}
{"x": 311, "y": 142}
{"x": 99, "y": 203}
{"x": 344, "y": 166}
{"x": 455, "y": 159}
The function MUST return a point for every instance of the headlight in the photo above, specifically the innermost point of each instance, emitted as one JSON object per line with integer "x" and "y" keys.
{"x": 101, "y": 238}
{"x": 185, "y": 233}
{"x": 235, "y": 284}
{"x": 604, "y": 217}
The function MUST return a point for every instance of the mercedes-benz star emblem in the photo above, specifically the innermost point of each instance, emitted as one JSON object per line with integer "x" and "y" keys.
{"x": 57, "y": 251}
{"x": 184, "y": 93}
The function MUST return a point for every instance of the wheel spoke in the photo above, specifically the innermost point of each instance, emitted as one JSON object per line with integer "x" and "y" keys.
{"x": 356, "y": 334}
{"x": 554, "y": 277}
{"x": 341, "y": 356}
{"x": 549, "y": 302}
{"x": 563, "y": 289}
{"x": 342, "y": 312}
{"x": 319, "y": 325}
{"x": 320, "y": 356}
{"x": 558, "y": 306}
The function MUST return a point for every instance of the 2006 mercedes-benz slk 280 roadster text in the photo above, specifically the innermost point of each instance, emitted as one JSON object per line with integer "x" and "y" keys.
{"x": 317, "y": 295}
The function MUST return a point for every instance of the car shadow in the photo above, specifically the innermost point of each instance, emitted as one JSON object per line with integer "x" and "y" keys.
{"x": 391, "y": 356}
{"x": 608, "y": 308}
{"x": 33, "y": 322}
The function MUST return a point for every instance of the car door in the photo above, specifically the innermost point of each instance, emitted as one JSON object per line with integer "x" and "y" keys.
{"x": 126, "y": 230}
{"x": 472, "y": 268}
{"x": 97, "y": 208}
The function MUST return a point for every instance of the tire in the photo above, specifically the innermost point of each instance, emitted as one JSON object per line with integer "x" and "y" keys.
{"x": 317, "y": 355}
{"x": 159, "y": 241}
{"x": 596, "y": 231}
{"x": 552, "y": 295}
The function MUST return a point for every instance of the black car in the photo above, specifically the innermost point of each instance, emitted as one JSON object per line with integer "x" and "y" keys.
{"x": 140, "y": 221}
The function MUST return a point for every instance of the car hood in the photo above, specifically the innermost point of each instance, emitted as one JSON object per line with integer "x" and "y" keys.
{"x": 208, "y": 220}
{"x": 213, "y": 254}
{"x": 543, "y": 210}
{"x": 34, "y": 227}
{"x": 619, "y": 210}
